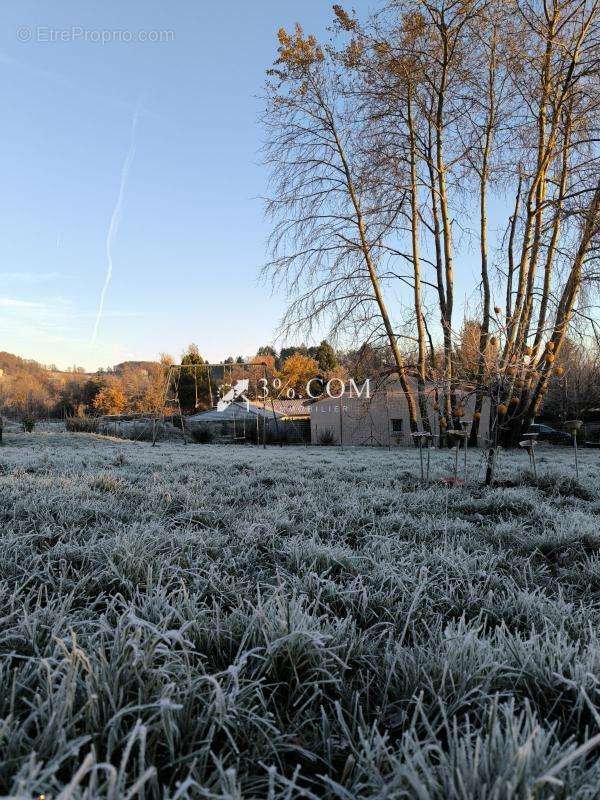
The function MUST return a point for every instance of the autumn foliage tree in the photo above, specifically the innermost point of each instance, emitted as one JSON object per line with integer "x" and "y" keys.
{"x": 110, "y": 400}
{"x": 296, "y": 371}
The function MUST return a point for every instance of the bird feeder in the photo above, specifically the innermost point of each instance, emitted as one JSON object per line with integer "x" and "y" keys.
{"x": 531, "y": 436}
{"x": 423, "y": 437}
{"x": 528, "y": 444}
{"x": 573, "y": 426}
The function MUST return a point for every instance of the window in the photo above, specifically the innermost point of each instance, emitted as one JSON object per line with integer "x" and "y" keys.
{"x": 396, "y": 426}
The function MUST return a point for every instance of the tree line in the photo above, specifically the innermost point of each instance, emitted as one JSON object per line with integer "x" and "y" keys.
{"x": 33, "y": 391}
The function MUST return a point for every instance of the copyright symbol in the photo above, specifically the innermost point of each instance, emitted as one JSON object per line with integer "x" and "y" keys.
{"x": 24, "y": 34}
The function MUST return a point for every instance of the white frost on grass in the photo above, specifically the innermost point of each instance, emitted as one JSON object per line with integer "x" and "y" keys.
{"x": 298, "y": 622}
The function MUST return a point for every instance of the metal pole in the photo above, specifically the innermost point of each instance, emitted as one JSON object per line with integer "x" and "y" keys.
{"x": 387, "y": 411}
{"x": 466, "y": 446}
{"x": 264, "y": 413}
{"x": 576, "y": 460}
{"x": 162, "y": 408}
{"x": 276, "y": 424}
{"x": 421, "y": 458}
{"x": 210, "y": 395}
{"x": 181, "y": 420}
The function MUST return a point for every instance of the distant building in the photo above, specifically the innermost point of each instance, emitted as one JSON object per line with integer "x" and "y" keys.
{"x": 280, "y": 421}
{"x": 381, "y": 420}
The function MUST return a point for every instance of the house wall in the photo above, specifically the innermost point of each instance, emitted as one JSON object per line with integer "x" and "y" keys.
{"x": 355, "y": 421}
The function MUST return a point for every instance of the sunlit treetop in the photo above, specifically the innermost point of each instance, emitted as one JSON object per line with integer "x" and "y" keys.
{"x": 297, "y": 51}
{"x": 403, "y": 61}
{"x": 413, "y": 25}
{"x": 352, "y": 54}
{"x": 344, "y": 19}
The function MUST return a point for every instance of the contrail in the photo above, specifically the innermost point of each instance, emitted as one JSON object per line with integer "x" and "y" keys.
{"x": 116, "y": 218}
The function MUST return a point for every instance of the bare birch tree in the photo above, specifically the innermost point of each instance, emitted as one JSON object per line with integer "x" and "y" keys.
{"x": 329, "y": 219}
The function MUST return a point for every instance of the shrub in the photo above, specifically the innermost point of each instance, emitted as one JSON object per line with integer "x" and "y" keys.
{"x": 327, "y": 438}
{"x": 82, "y": 424}
{"x": 140, "y": 433}
{"x": 28, "y": 424}
{"x": 202, "y": 435}
{"x": 136, "y": 431}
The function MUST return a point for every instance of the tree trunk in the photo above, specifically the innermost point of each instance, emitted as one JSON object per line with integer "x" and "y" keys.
{"x": 375, "y": 283}
{"x": 414, "y": 202}
{"x": 566, "y": 304}
{"x": 483, "y": 244}
{"x": 446, "y": 238}
{"x": 511, "y": 250}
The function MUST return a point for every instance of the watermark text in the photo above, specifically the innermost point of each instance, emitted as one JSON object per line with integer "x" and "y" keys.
{"x": 77, "y": 33}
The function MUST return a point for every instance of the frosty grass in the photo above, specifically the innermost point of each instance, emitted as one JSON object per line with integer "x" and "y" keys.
{"x": 227, "y": 622}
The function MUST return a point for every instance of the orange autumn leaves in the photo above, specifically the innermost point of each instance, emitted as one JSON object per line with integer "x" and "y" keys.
{"x": 298, "y": 51}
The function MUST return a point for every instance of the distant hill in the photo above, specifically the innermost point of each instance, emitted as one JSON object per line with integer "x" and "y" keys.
{"x": 119, "y": 369}
{"x": 11, "y": 364}
{"x": 31, "y": 389}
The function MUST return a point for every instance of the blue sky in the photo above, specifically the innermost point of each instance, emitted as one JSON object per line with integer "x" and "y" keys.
{"x": 191, "y": 237}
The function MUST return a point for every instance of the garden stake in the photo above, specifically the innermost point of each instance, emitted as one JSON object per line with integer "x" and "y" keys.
{"x": 455, "y": 435}
{"x": 420, "y": 435}
{"x": 456, "y": 460}
{"x": 573, "y": 426}
{"x": 428, "y": 458}
{"x": 465, "y": 425}
{"x": 529, "y": 445}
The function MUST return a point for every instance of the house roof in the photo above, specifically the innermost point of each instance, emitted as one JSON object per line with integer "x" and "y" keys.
{"x": 236, "y": 411}
{"x": 296, "y": 407}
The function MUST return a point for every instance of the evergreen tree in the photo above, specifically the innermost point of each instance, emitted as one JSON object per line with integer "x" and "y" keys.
{"x": 193, "y": 383}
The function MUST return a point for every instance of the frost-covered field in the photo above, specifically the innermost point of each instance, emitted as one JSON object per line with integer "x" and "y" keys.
{"x": 225, "y": 622}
